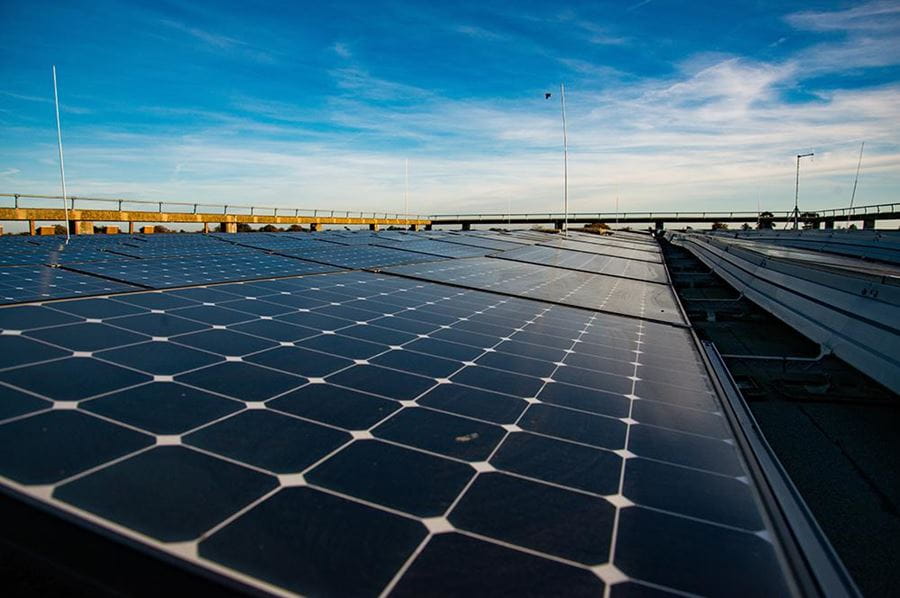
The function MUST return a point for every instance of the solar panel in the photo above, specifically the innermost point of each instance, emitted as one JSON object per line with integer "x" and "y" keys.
{"x": 193, "y": 270}
{"x": 623, "y": 250}
{"x": 414, "y": 438}
{"x": 586, "y": 262}
{"x": 440, "y": 248}
{"x": 482, "y": 241}
{"x": 35, "y": 283}
{"x": 581, "y": 289}
{"x": 359, "y": 256}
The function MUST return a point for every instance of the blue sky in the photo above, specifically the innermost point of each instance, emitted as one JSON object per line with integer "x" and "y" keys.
{"x": 671, "y": 104}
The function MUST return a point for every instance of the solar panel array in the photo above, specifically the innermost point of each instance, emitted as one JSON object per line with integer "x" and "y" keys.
{"x": 605, "y": 293}
{"x": 366, "y": 433}
{"x": 587, "y": 262}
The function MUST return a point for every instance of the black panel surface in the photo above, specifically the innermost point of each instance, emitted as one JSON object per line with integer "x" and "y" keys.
{"x": 364, "y": 434}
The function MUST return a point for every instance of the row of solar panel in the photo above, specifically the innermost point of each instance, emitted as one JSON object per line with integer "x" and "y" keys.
{"x": 436, "y": 440}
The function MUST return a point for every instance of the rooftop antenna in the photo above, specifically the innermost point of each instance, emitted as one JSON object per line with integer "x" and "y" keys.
{"x": 562, "y": 105}
{"x": 62, "y": 166}
{"x": 797, "y": 191}
{"x": 855, "y": 181}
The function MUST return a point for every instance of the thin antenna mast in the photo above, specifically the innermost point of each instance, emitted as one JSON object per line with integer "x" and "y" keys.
{"x": 562, "y": 99}
{"x": 62, "y": 166}
{"x": 855, "y": 181}
{"x": 797, "y": 191}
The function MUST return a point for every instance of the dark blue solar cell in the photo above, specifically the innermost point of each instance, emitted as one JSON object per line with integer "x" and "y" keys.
{"x": 242, "y": 381}
{"x": 73, "y": 378}
{"x": 474, "y": 402}
{"x": 29, "y": 316}
{"x": 631, "y": 589}
{"x": 98, "y": 308}
{"x": 444, "y": 349}
{"x": 517, "y": 364}
{"x": 269, "y": 440}
{"x": 169, "y": 493}
{"x": 499, "y": 381}
{"x": 530, "y": 350}
{"x": 17, "y": 350}
{"x": 491, "y": 570}
{"x": 207, "y": 295}
{"x": 257, "y": 307}
{"x": 155, "y": 300}
{"x": 345, "y": 346}
{"x": 570, "y": 525}
{"x": 559, "y": 462}
{"x": 712, "y": 454}
{"x": 458, "y": 437}
{"x": 585, "y": 399}
{"x": 280, "y": 541}
{"x": 336, "y": 406}
{"x": 405, "y": 325}
{"x": 300, "y": 361}
{"x": 14, "y": 403}
{"x": 681, "y": 419}
{"x": 381, "y": 381}
{"x": 275, "y": 330}
{"x": 684, "y": 397}
{"x": 418, "y": 363}
{"x": 695, "y": 557}
{"x": 61, "y": 443}
{"x": 158, "y": 324}
{"x": 694, "y": 493}
{"x": 315, "y": 320}
{"x": 213, "y": 314}
{"x": 407, "y": 480}
{"x": 225, "y": 342}
{"x": 601, "y": 364}
{"x": 87, "y": 336}
{"x": 159, "y": 357}
{"x": 597, "y": 430}
{"x": 472, "y": 339}
{"x": 163, "y": 407}
{"x": 378, "y": 334}
{"x": 595, "y": 380}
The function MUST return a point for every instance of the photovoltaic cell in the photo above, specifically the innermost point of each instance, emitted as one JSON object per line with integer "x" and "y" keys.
{"x": 402, "y": 438}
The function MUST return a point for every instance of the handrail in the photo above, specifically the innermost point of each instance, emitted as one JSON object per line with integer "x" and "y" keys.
{"x": 219, "y": 208}
{"x": 825, "y": 214}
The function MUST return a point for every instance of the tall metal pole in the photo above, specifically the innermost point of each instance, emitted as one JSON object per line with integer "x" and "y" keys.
{"x": 62, "y": 166}
{"x": 855, "y": 181}
{"x": 406, "y": 192}
{"x": 562, "y": 99}
{"x": 797, "y": 191}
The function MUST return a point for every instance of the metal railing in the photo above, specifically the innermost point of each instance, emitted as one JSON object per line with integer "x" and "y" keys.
{"x": 859, "y": 211}
{"x": 225, "y": 209}
{"x": 196, "y": 208}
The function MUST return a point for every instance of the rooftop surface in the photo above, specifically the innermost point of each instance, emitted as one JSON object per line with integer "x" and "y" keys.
{"x": 393, "y": 413}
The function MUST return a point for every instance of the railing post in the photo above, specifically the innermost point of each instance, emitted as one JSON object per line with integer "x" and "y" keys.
{"x": 120, "y": 205}
{"x": 160, "y": 207}
{"x": 16, "y": 201}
